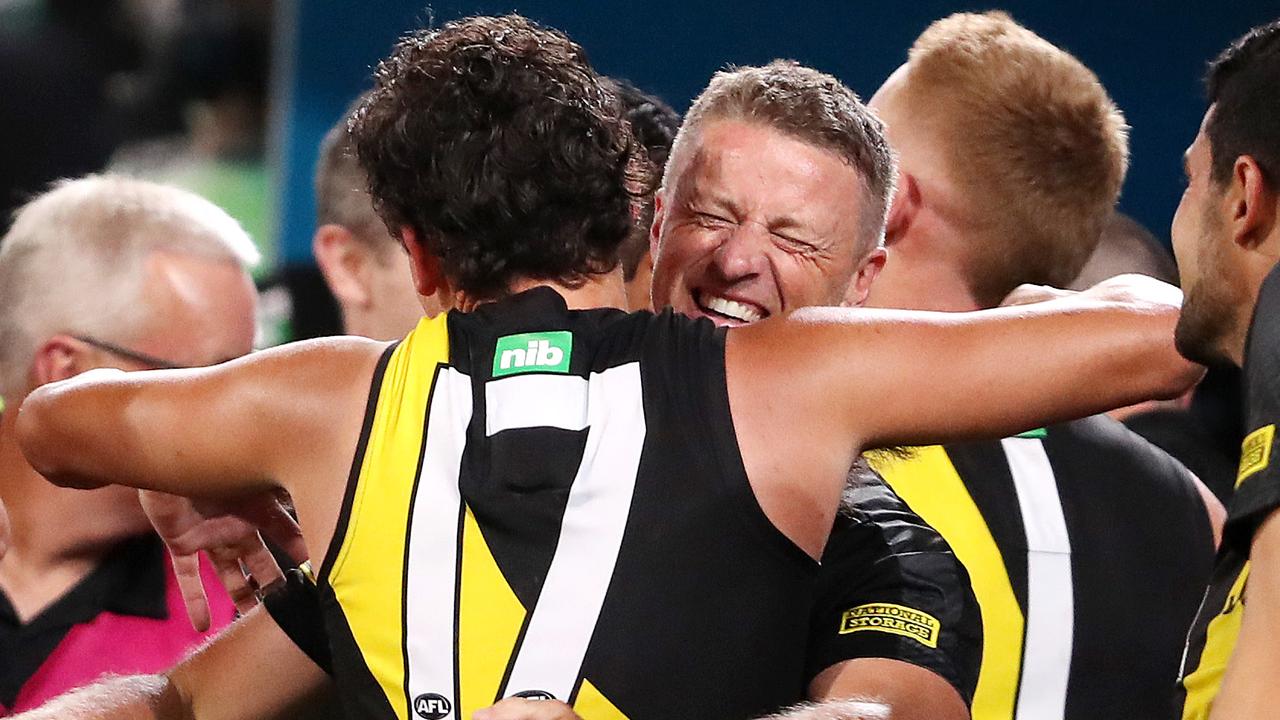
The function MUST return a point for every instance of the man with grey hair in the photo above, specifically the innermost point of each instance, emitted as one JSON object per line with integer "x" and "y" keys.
{"x": 802, "y": 179}
{"x": 103, "y": 272}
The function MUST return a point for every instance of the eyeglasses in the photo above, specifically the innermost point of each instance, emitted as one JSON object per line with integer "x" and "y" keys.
{"x": 150, "y": 361}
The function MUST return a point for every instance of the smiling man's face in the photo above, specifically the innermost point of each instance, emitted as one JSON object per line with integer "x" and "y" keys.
{"x": 754, "y": 223}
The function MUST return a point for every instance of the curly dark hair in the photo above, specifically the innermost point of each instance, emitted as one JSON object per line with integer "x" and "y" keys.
{"x": 499, "y": 145}
{"x": 654, "y": 124}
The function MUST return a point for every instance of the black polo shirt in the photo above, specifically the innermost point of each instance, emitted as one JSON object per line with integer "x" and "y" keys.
{"x": 130, "y": 581}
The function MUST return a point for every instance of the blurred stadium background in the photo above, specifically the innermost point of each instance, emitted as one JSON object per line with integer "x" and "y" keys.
{"x": 231, "y": 97}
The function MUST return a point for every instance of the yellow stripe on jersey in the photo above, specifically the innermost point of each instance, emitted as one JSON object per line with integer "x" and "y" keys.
{"x": 591, "y": 704}
{"x": 489, "y": 622}
{"x": 369, "y": 569}
{"x": 930, "y": 484}
{"x": 1203, "y": 684}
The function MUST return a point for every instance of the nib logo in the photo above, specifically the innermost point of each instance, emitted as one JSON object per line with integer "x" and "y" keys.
{"x": 533, "y": 352}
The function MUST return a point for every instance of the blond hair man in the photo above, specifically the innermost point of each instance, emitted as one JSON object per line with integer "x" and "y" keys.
{"x": 1088, "y": 547}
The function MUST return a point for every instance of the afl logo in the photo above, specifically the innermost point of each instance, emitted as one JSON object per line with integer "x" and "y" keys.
{"x": 535, "y": 695}
{"x": 432, "y": 706}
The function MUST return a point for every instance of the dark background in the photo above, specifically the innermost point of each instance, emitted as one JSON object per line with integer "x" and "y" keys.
{"x": 1150, "y": 56}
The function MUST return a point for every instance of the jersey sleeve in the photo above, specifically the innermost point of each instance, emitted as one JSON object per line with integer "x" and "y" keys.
{"x": 295, "y": 607}
{"x": 1257, "y": 491}
{"x": 890, "y": 587}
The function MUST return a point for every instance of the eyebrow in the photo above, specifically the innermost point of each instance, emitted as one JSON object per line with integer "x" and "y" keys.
{"x": 1186, "y": 163}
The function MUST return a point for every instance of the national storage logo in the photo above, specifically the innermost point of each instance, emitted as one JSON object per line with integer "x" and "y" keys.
{"x": 1255, "y": 452}
{"x": 533, "y": 352}
{"x": 890, "y": 618}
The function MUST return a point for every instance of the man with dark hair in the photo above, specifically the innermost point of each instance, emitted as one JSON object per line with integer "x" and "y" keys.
{"x": 654, "y": 125}
{"x": 1226, "y": 236}
{"x": 880, "y": 554}
{"x": 501, "y": 480}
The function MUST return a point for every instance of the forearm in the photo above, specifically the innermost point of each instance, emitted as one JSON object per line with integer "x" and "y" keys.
{"x": 848, "y": 709}
{"x": 135, "y": 697}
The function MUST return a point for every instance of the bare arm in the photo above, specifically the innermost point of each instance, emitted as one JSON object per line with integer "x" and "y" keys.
{"x": 227, "y": 430}
{"x": 901, "y": 690}
{"x": 1249, "y": 688}
{"x": 1213, "y": 507}
{"x": 250, "y": 672}
{"x": 905, "y": 378}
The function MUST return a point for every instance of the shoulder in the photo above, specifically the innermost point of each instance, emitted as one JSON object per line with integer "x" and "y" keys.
{"x": 1106, "y": 447}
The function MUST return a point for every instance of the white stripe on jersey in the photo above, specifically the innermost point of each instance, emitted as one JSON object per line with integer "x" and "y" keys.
{"x": 432, "y": 555}
{"x": 524, "y": 401}
{"x": 1046, "y": 655}
{"x": 555, "y": 642}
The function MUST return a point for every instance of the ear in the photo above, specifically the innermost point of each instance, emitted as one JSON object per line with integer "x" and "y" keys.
{"x": 58, "y": 358}
{"x": 659, "y": 215}
{"x": 428, "y": 276}
{"x": 865, "y": 275}
{"x": 903, "y": 210}
{"x": 1252, "y": 207}
{"x": 344, "y": 262}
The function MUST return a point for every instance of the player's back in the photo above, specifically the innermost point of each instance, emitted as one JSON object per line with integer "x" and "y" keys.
{"x": 1088, "y": 549}
{"x": 552, "y": 502}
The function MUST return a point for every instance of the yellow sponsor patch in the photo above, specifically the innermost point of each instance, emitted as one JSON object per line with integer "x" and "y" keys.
{"x": 890, "y": 618}
{"x": 1255, "y": 452}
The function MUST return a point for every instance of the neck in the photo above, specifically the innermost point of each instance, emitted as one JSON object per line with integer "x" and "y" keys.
{"x": 57, "y": 535}
{"x": 922, "y": 275}
{"x": 605, "y": 290}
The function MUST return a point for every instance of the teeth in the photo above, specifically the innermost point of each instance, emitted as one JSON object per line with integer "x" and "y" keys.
{"x": 735, "y": 310}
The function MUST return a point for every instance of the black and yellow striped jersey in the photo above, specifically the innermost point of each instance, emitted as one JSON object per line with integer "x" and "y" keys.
{"x": 551, "y": 503}
{"x": 1088, "y": 549}
{"x": 1256, "y": 496}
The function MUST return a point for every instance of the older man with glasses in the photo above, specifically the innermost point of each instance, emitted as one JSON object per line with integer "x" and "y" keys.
{"x": 103, "y": 272}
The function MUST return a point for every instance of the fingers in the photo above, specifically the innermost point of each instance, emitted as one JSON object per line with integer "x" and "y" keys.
{"x": 187, "y": 570}
{"x": 277, "y": 525}
{"x": 226, "y": 563}
{"x": 261, "y": 566}
{"x": 515, "y": 708}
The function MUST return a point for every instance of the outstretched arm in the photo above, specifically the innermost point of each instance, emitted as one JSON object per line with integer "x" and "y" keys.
{"x": 904, "y": 378}
{"x": 226, "y": 430}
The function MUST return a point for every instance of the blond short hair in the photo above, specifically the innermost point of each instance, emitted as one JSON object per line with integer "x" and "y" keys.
{"x": 1036, "y": 146}
{"x": 807, "y": 105}
{"x": 73, "y": 261}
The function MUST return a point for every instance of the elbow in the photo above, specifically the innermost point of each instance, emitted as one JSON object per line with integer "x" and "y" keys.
{"x": 41, "y": 442}
{"x": 1178, "y": 376}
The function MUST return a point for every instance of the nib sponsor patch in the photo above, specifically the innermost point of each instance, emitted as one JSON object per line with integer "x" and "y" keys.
{"x": 890, "y": 618}
{"x": 1255, "y": 452}
{"x": 533, "y": 352}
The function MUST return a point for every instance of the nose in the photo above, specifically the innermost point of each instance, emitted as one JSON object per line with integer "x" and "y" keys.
{"x": 743, "y": 254}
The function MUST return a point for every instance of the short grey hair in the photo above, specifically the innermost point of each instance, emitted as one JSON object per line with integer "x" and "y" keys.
{"x": 810, "y": 106}
{"x": 73, "y": 261}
